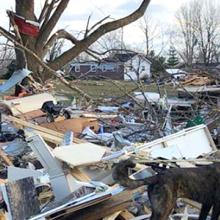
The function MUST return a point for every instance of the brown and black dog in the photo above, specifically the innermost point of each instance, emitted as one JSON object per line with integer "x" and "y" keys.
{"x": 200, "y": 184}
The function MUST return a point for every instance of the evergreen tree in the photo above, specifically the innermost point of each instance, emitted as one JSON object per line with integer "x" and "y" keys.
{"x": 173, "y": 59}
{"x": 157, "y": 62}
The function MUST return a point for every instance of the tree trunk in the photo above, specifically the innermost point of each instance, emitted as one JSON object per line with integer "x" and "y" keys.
{"x": 52, "y": 11}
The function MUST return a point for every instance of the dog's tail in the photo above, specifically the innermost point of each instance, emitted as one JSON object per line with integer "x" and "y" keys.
{"x": 120, "y": 174}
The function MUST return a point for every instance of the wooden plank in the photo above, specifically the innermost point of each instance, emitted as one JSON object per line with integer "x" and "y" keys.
{"x": 5, "y": 158}
{"x": 79, "y": 175}
{"x": 126, "y": 215}
{"x": 192, "y": 203}
{"x": 50, "y": 138}
{"x": 3, "y": 216}
{"x": 33, "y": 126}
{"x": 3, "y": 181}
{"x": 112, "y": 216}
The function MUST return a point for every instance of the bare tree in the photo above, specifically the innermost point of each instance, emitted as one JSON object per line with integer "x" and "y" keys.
{"x": 152, "y": 33}
{"x": 186, "y": 18}
{"x": 199, "y": 24}
{"x": 6, "y": 54}
{"x": 6, "y": 57}
{"x": 55, "y": 50}
{"x": 208, "y": 30}
{"x": 111, "y": 41}
{"x": 48, "y": 18}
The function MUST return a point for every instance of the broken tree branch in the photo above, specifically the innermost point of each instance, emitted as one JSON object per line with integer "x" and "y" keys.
{"x": 95, "y": 25}
{"x": 48, "y": 12}
{"x": 44, "y": 11}
{"x": 61, "y": 34}
{"x": 87, "y": 26}
{"x": 95, "y": 35}
{"x": 49, "y": 26}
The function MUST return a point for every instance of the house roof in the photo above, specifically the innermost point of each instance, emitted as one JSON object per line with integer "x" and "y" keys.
{"x": 124, "y": 57}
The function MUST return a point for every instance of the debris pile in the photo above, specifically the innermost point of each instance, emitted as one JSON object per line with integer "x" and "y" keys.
{"x": 59, "y": 157}
{"x": 195, "y": 79}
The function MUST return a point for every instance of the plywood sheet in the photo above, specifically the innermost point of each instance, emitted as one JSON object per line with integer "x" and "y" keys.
{"x": 80, "y": 154}
{"x": 32, "y": 115}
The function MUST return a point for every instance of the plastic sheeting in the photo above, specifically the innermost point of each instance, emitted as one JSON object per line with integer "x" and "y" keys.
{"x": 16, "y": 78}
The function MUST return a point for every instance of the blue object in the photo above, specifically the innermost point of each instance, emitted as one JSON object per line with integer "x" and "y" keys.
{"x": 16, "y": 78}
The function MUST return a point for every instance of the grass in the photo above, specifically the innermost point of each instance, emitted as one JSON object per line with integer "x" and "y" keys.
{"x": 99, "y": 89}
{"x": 109, "y": 89}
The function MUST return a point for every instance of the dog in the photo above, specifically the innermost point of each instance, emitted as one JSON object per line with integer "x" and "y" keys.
{"x": 201, "y": 184}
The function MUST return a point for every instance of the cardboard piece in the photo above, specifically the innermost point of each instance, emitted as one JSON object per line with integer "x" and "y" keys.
{"x": 32, "y": 115}
{"x": 77, "y": 125}
{"x": 79, "y": 154}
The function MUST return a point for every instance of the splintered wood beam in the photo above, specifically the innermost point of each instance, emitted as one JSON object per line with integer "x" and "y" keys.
{"x": 5, "y": 158}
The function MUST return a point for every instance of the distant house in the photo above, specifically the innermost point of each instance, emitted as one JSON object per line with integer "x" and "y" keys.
{"x": 121, "y": 66}
{"x": 94, "y": 70}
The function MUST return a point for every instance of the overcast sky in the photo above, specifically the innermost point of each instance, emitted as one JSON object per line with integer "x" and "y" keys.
{"x": 75, "y": 16}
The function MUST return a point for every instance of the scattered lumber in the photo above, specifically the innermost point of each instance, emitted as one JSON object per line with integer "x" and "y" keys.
{"x": 196, "y": 80}
{"x": 52, "y": 137}
{"x": 115, "y": 204}
{"x": 47, "y": 134}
